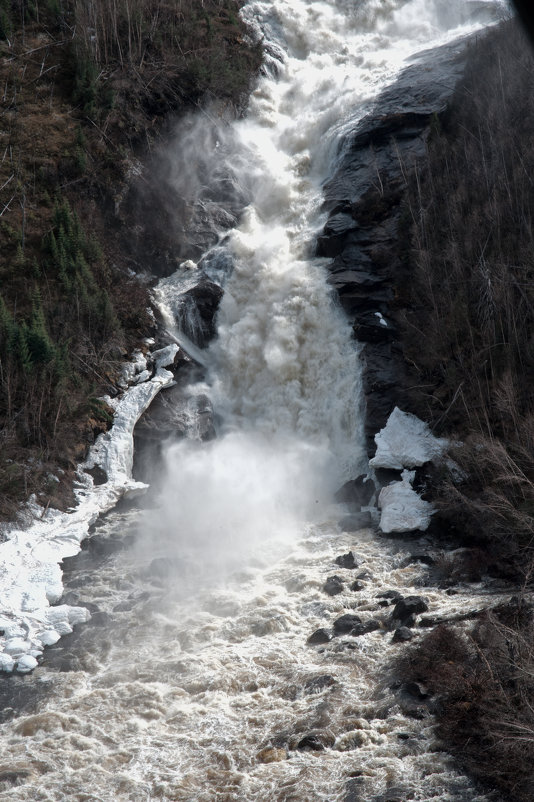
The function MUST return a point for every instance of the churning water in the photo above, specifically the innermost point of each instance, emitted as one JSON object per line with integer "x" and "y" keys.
{"x": 196, "y": 661}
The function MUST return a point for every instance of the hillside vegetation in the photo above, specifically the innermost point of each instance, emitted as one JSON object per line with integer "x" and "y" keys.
{"x": 86, "y": 87}
{"x": 469, "y": 327}
{"x": 467, "y": 297}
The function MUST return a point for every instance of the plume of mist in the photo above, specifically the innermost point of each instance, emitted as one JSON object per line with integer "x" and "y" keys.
{"x": 240, "y": 499}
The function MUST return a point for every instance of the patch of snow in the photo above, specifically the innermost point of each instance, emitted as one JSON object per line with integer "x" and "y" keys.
{"x": 30, "y": 574}
{"x": 132, "y": 369}
{"x": 48, "y": 637}
{"x": 16, "y": 646}
{"x": 26, "y": 663}
{"x": 143, "y": 377}
{"x": 381, "y": 319}
{"x": 402, "y": 509}
{"x": 165, "y": 356}
{"x": 6, "y": 662}
{"x": 405, "y": 442}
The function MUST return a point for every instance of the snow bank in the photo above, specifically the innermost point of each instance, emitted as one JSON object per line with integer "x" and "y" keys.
{"x": 405, "y": 442}
{"x": 30, "y": 574}
{"x": 402, "y": 509}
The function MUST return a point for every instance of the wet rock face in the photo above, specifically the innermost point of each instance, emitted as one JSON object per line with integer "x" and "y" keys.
{"x": 364, "y": 199}
{"x": 174, "y": 414}
{"x": 199, "y": 308}
{"x": 357, "y": 493}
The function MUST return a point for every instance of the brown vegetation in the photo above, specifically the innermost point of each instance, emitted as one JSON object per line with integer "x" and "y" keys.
{"x": 483, "y": 688}
{"x": 84, "y": 90}
{"x": 467, "y": 315}
{"x": 469, "y": 277}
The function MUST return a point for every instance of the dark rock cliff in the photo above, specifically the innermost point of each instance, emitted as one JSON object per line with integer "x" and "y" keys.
{"x": 364, "y": 198}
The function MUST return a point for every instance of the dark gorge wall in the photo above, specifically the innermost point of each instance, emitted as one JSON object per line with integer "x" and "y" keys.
{"x": 363, "y": 235}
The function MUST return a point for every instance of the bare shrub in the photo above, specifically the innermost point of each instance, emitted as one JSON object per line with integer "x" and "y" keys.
{"x": 483, "y": 682}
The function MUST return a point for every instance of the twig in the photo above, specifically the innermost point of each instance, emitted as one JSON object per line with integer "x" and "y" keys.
{"x": 35, "y": 49}
{"x": 7, "y": 182}
{"x": 458, "y": 389}
{"x": 5, "y": 209}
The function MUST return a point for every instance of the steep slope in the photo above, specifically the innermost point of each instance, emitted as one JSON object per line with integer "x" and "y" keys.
{"x": 87, "y": 91}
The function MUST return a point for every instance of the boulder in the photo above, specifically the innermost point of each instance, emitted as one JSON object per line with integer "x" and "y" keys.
{"x": 389, "y": 594}
{"x": 402, "y": 635}
{"x": 316, "y": 741}
{"x": 344, "y": 624}
{"x": 346, "y": 561}
{"x": 318, "y": 637}
{"x": 407, "y": 608}
{"x": 333, "y": 585}
{"x": 364, "y": 629}
{"x": 197, "y": 309}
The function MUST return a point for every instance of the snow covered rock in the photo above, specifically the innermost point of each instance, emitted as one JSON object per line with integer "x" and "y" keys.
{"x": 402, "y": 509}
{"x": 26, "y": 663}
{"x": 6, "y": 662}
{"x": 405, "y": 442}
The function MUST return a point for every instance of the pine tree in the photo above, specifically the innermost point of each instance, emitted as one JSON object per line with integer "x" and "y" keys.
{"x": 6, "y": 325}
{"x": 40, "y": 346}
{"x": 20, "y": 347}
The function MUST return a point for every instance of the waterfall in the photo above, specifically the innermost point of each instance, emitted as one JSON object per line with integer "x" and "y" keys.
{"x": 194, "y": 680}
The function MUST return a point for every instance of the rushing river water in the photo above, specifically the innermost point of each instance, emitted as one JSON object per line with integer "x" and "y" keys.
{"x": 195, "y": 661}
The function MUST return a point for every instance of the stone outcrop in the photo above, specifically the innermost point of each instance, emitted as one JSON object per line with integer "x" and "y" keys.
{"x": 364, "y": 200}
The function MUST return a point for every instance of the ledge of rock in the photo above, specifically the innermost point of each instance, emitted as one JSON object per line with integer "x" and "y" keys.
{"x": 364, "y": 201}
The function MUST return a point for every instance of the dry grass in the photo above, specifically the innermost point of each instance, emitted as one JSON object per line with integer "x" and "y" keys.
{"x": 483, "y": 683}
{"x": 468, "y": 324}
{"x": 468, "y": 296}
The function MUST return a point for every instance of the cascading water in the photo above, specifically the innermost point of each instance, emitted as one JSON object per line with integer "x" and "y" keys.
{"x": 195, "y": 672}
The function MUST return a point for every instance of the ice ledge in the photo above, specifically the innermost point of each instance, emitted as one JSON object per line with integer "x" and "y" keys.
{"x": 30, "y": 573}
{"x": 405, "y": 442}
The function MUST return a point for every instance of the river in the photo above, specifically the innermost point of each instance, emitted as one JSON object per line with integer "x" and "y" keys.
{"x": 194, "y": 681}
